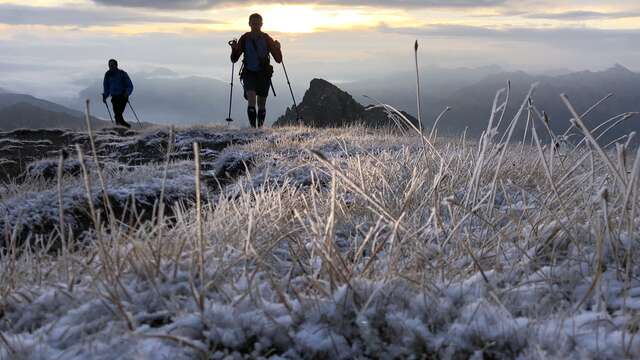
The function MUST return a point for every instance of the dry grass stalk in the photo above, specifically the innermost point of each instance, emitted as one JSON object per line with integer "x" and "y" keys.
{"x": 338, "y": 219}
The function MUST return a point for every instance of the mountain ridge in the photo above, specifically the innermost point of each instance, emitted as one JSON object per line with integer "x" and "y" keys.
{"x": 584, "y": 89}
{"x": 26, "y": 115}
{"x": 8, "y": 99}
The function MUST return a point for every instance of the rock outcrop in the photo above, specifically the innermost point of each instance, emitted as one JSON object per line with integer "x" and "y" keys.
{"x": 326, "y": 105}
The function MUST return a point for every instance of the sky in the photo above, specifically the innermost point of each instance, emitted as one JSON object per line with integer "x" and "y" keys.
{"x": 51, "y": 48}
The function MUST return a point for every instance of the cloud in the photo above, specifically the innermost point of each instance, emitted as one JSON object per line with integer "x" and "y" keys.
{"x": 583, "y": 15}
{"x": 31, "y": 15}
{"x": 205, "y": 4}
{"x": 583, "y": 35}
{"x": 12, "y": 67}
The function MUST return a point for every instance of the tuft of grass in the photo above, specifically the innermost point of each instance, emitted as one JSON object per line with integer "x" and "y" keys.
{"x": 386, "y": 243}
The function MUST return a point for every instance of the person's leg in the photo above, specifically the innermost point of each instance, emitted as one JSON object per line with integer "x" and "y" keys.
{"x": 118, "y": 109}
{"x": 119, "y": 105}
{"x": 249, "y": 82}
{"x": 251, "y": 108}
{"x": 262, "y": 90}
{"x": 262, "y": 110}
{"x": 251, "y": 98}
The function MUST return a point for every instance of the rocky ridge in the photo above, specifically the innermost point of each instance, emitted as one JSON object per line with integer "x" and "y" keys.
{"x": 325, "y": 105}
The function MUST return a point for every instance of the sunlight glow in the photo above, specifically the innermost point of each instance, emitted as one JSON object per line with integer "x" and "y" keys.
{"x": 307, "y": 19}
{"x": 301, "y": 18}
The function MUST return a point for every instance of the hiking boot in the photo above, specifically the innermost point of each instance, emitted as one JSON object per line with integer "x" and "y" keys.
{"x": 124, "y": 124}
{"x": 251, "y": 114}
{"x": 262, "y": 114}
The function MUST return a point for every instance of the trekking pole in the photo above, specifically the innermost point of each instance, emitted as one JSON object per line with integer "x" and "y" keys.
{"x": 134, "y": 113}
{"x": 109, "y": 111}
{"x": 295, "y": 105}
{"x": 233, "y": 70}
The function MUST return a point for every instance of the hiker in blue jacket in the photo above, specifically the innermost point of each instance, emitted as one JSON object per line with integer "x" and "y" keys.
{"x": 256, "y": 68}
{"x": 118, "y": 85}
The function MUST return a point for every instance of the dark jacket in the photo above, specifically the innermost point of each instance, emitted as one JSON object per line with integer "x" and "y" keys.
{"x": 116, "y": 83}
{"x": 255, "y": 49}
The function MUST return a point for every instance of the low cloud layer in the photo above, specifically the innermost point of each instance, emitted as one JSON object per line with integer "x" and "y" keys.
{"x": 583, "y": 15}
{"x": 566, "y": 36}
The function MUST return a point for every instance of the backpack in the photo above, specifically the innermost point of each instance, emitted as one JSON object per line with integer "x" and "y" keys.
{"x": 265, "y": 62}
{"x": 121, "y": 76}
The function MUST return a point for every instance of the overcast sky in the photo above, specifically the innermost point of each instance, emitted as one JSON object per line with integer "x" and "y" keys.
{"x": 50, "y": 47}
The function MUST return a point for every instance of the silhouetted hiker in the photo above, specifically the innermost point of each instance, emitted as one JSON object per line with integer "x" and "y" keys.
{"x": 256, "y": 68}
{"x": 118, "y": 85}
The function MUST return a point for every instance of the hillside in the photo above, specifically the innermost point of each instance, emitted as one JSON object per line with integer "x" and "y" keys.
{"x": 9, "y": 99}
{"x": 24, "y": 115}
{"x": 299, "y": 242}
{"x": 26, "y": 111}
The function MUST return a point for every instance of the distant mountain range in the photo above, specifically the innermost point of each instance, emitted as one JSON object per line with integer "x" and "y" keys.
{"x": 25, "y": 111}
{"x": 471, "y": 104}
{"x": 583, "y": 89}
{"x": 163, "y": 96}
{"x": 437, "y": 83}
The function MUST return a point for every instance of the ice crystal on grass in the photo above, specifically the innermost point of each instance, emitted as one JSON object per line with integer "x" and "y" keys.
{"x": 336, "y": 243}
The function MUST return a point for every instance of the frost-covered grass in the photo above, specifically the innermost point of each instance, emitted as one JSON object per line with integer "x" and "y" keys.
{"x": 346, "y": 243}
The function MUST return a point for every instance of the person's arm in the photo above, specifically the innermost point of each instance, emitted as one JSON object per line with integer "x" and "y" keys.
{"x": 105, "y": 87}
{"x": 128, "y": 83}
{"x": 274, "y": 49}
{"x": 237, "y": 48}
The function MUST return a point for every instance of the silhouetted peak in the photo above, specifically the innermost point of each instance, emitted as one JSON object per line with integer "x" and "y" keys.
{"x": 513, "y": 76}
{"x": 326, "y": 105}
{"x": 323, "y": 95}
{"x": 324, "y": 85}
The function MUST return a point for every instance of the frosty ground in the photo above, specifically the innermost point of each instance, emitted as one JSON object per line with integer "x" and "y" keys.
{"x": 333, "y": 243}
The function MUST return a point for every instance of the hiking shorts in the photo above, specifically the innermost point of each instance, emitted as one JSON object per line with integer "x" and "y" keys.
{"x": 256, "y": 81}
